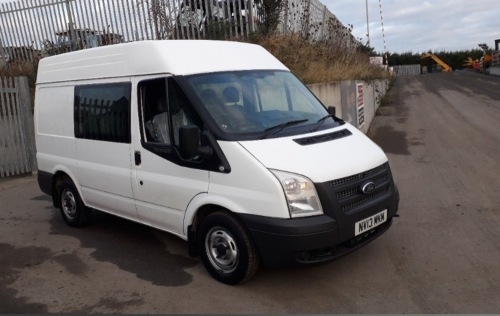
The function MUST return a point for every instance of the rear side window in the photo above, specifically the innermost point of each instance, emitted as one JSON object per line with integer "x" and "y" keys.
{"x": 102, "y": 112}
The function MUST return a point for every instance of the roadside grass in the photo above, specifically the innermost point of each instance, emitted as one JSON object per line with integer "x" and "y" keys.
{"x": 22, "y": 68}
{"x": 318, "y": 62}
{"x": 387, "y": 98}
{"x": 321, "y": 62}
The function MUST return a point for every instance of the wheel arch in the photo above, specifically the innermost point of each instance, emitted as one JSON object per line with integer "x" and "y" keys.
{"x": 203, "y": 204}
{"x": 199, "y": 208}
{"x": 58, "y": 178}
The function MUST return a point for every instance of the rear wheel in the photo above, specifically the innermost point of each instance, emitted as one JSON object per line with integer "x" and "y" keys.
{"x": 227, "y": 251}
{"x": 73, "y": 211}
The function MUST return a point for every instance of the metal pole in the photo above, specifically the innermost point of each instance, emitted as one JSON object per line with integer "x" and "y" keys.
{"x": 71, "y": 26}
{"x": 367, "y": 25}
{"x": 251, "y": 15}
{"x": 2, "y": 53}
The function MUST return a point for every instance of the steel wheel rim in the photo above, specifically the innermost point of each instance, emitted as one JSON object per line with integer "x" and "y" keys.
{"x": 222, "y": 250}
{"x": 68, "y": 202}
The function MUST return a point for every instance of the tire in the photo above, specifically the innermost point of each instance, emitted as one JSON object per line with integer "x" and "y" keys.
{"x": 226, "y": 249}
{"x": 73, "y": 211}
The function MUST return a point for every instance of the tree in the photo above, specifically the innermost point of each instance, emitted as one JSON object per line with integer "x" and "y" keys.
{"x": 269, "y": 12}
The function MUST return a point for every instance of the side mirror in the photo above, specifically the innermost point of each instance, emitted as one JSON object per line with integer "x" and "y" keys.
{"x": 189, "y": 141}
{"x": 331, "y": 110}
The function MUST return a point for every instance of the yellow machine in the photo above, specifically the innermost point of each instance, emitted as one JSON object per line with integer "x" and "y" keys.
{"x": 444, "y": 66}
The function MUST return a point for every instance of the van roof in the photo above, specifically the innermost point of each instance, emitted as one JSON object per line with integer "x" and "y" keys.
{"x": 178, "y": 57}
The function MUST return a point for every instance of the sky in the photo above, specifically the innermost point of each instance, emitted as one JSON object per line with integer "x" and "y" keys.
{"x": 419, "y": 26}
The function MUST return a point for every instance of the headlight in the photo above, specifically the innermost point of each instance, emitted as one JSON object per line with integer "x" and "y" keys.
{"x": 300, "y": 194}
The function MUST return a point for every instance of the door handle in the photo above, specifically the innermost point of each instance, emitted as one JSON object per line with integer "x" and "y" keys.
{"x": 137, "y": 158}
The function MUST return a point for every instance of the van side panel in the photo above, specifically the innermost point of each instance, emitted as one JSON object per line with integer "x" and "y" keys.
{"x": 104, "y": 173}
{"x": 55, "y": 111}
{"x": 56, "y": 147}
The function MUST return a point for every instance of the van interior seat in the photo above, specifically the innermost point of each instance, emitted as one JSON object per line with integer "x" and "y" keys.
{"x": 231, "y": 95}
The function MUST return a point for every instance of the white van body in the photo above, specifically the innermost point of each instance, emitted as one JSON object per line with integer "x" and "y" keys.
{"x": 277, "y": 187}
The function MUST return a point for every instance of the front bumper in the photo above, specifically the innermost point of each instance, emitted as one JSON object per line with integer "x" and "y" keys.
{"x": 304, "y": 241}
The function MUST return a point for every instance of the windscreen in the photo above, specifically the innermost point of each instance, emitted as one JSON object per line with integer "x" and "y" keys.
{"x": 266, "y": 103}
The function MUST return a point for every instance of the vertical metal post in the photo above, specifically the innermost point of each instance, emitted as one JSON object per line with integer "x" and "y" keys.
{"x": 134, "y": 31}
{"x": 127, "y": 31}
{"x": 4, "y": 34}
{"x": 28, "y": 123}
{"x": 42, "y": 17}
{"x": 86, "y": 20}
{"x": 5, "y": 155}
{"x": 32, "y": 29}
{"x": 20, "y": 132}
{"x": 14, "y": 40}
{"x": 250, "y": 15}
{"x": 109, "y": 19}
{"x": 154, "y": 11}
{"x": 83, "y": 35}
{"x": 207, "y": 18}
{"x": 2, "y": 53}
{"x": 118, "y": 29}
{"x": 24, "y": 37}
{"x": 367, "y": 25}
{"x": 71, "y": 26}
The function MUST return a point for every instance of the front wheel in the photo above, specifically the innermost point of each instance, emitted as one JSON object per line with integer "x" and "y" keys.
{"x": 228, "y": 253}
{"x": 73, "y": 211}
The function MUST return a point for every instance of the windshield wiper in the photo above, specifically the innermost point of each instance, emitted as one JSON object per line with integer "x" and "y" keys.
{"x": 320, "y": 122}
{"x": 278, "y": 128}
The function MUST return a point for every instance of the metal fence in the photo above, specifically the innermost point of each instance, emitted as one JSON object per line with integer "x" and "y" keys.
{"x": 17, "y": 145}
{"x": 33, "y": 28}
{"x": 407, "y": 70}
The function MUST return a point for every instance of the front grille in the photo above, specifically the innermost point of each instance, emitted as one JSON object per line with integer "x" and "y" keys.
{"x": 349, "y": 206}
{"x": 358, "y": 176}
{"x": 348, "y": 191}
{"x": 345, "y": 180}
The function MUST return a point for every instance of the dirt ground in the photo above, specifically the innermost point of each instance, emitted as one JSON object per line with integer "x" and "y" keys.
{"x": 442, "y": 255}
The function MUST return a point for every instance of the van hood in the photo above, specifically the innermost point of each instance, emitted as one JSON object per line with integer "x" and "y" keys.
{"x": 321, "y": 156}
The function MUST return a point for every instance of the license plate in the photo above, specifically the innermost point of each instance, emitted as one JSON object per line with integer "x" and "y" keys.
{"x": 370, "y": 222}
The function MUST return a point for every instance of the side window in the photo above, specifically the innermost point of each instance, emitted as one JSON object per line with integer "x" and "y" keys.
{"x": 164, "y": 109}
{"x": 181, "y": 110}
{"x": 102, "y": 112}
{"x": 153, "y": 100}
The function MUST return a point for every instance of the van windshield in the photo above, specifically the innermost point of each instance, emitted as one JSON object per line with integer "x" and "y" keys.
{"x": 264, "y": 104}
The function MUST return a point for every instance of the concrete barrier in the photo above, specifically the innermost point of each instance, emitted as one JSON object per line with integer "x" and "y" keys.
{"x": 495, "y": 71}
{"x": 355, "y": 101}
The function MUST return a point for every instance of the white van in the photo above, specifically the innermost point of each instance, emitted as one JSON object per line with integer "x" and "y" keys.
{"x": 215, "y": 142}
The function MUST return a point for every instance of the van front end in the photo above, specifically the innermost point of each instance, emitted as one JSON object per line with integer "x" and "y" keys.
{"x": 357, "y": 209}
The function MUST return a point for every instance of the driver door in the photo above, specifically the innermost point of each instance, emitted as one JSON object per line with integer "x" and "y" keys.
{"x": 164, "y": 183}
